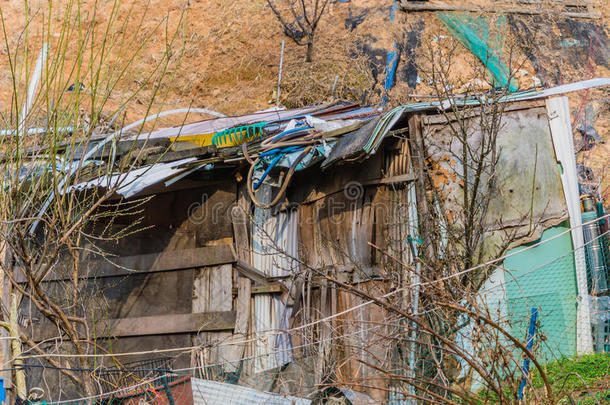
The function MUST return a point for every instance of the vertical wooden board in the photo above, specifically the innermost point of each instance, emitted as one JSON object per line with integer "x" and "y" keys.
{"x": 221, "y": 288}
{"x": 243, "y": 305}
{"x": 5, "y": 343}
{"x": 362, "y": 343}
{"x": 212, "y": 291}
{"x": 244, "y": 207}
{"x": 309, "y": 246}
{"x": 329, "y": 244}
{"x": 201, "y": 287}
{"x": 239, "y": 348}
{"x": 240, "y": 233}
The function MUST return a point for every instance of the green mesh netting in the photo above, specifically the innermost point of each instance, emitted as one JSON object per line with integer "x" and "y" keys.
{"x": 486, "y": 44}
{"x": 545, "y": 277}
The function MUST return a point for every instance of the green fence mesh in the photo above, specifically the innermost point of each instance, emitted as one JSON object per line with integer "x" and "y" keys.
{"x": 544, "y": 277}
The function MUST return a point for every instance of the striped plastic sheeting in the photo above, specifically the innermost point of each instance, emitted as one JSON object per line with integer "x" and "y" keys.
{"x": 207, "y": 392}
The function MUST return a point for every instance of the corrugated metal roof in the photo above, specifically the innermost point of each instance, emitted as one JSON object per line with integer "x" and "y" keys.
{"x": 359, "y": 143}
{"x": 206, "y": 392}
{"x": 220, "y": 124}
{"x": 132, "y": 182}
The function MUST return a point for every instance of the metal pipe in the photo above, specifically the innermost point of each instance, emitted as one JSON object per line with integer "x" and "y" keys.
{"x": 525, "y": 370}
{"x": 594, "y": 254}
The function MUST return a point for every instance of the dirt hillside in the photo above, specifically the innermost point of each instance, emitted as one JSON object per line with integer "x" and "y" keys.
{"x": 225, "y": 54}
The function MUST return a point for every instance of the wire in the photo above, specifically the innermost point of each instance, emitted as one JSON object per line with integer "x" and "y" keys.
{"x": 327, "y": 318}
{"x": 130, "y": 388}
{"x": 105, "y": 370}
{"x": 279, "y": 351}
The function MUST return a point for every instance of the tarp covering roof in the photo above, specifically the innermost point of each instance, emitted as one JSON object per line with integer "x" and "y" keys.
{"x": 286, "y": 136}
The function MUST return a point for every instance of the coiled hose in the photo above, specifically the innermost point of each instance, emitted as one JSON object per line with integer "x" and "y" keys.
{"x": 285, "y": 183}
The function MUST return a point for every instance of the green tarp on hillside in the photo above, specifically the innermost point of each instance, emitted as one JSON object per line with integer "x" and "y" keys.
{"x": 486, "y": 44}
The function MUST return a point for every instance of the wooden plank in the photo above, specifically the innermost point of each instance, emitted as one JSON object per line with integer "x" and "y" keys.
{"x": 248, "y": 271}
{"x": 474, "y": 111}
{"x": 567, "y": 3}
{"x": 425, "y": 6}
{"x": 151, "y": 263}
{"x": 405, "y": 178}
{"x": 271, "y": 288}
{"x": 175, "y": 323}
{"x": 402, "y": 178}
{"x": 221, "y": 283}
{"x": 181, "y": 154}
{"x": 240, "y": 233}
{"x": 213, "y": 291}
{"x": 154, "y": 325}
{"x": 242, "y": 307}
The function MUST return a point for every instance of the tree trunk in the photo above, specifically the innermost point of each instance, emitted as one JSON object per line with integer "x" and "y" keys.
{"x": 309, "y": 50}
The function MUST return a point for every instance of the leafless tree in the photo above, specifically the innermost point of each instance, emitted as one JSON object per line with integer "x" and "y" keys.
{"x": 306, "y": 15}
{"x": 453, "y": 341}
{"x": 47, "y": 224}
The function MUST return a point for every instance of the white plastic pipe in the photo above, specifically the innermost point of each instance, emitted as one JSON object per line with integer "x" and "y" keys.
{"x": 27, "y": 105}
{"x": 34, "y": 131}
{"x": 558, "y": 110}
{"x": 414, "y": 231}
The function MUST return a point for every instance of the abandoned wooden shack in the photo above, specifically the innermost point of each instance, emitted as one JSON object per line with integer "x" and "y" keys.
{"x": 228, "y": 275}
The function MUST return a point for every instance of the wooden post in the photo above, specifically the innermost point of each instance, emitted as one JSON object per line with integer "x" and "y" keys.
{"x": 244, "y": 284}
{"x": 16, "y": 352}
{"x": 5, "y": 346}
{"x": 12, "y": 327}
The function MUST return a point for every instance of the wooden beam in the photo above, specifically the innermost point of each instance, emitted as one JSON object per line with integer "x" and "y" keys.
{"x": 181, "y": 154}
{"x": 174, "y": 323}
{"x": 402, "y": 178}
{"x": 425, "y": 6}
{"x": 271, "y": 288}
{"x": 253, "y": 274}
{"x": 240, "y": 233}
{"x": 153, "y": 325}
{"x": 150, "y": 263}
{"x": 244, "y": 291}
